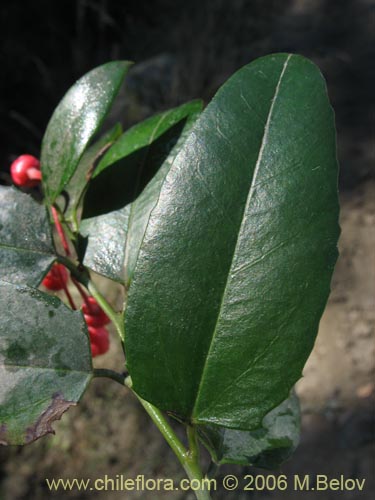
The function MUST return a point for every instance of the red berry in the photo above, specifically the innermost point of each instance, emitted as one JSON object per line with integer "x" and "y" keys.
{"x": 98, "y": 320}
{"x": 99, "y": 338}
{"x": 90, "y": 306}
{"x": 94, "y": 314}
{"x": 56, "y": 277}
{"x": 25, "y": 171}
{"x": 94, "y": 350}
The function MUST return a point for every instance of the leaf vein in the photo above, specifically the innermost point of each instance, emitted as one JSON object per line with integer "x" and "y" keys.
{"x": 248, "y": 201}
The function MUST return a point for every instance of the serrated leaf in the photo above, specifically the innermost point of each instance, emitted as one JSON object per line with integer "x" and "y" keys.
{"x": 75, "y": 121}
{"x": 26, "y": 246}
{"x": 235, "y": 265}
{"x": 45, "y": 362}
{"x": 267, "y": 447}
{"x": 113, "y": 239}
{"x": 134, "y": 159}
{"x": 81, "y": 177}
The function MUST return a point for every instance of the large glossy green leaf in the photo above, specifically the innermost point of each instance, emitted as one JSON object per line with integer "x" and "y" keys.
{"x": 235, "y": 265}
{"x": 75, "y": 121}
{"x": 113, "y": 239}
{"x": 45, "y": 362}
{"x": 78, "y": 183}
{"x": 266, "y": 447}
{"x": 26, "y": 246}
{"x": 135, "y": 158}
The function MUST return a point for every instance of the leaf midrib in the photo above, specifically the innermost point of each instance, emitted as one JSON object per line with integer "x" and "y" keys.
{"x": 66, "y": 177}
{"x": 30, "y": 250}
{"x": 248, "y": 201}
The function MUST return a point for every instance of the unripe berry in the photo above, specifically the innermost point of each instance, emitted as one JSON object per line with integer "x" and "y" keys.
{"x": 56, "y": 278}
{"x": 99, "y": 339}
{"x": 25, "y": 171}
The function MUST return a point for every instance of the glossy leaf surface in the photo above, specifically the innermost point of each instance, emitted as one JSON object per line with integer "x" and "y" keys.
{"x": 134, "y": 159}
{"x": 143, "y": 134}
{"x": 75, "y": 121}
{"x": 106, "y": 243}
{"x": 113, "y": 239}
{"x": 235, "y": 265}
{"x": 45, "y": 362}
{"x": 266, "y": 447}
{"x": 26, "y": 247}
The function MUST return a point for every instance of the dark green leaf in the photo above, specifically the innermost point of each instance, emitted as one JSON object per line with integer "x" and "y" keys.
{"x": 26, "y": 247}
{"x": 143, "y": 134}
{"x": 266, "y": 447}
{"x": 137, "y": 156}
{"x": 235, "y": 265}
{"x": 75, "y": 121}
{"x": 78, "y": 183}
{"x": 114, "y": 238}
{"x": 45, "y": 362}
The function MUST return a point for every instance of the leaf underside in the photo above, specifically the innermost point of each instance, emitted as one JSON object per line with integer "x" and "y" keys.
{"x": 235, "y": 264}
{"x": 45, "y": 362}
{"x": 267, "y": 447}
{"x": 105, "y": 236}
{"x": 26, "y": 246}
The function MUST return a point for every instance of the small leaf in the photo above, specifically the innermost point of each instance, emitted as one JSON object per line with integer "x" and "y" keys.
{"x": 235, "y": 264}
{"x": 26, "y": 246}
{"x": 134, "y": 159}
{"x": 79, "y": 182}
{"x": 113, "y": 239}
{"x": 106, "y": 241}
{"x": 145, "y": 133}
{"x": 267, "y": 447}
{"x": 45, "y": 362}
{"x": 75, "y": 121}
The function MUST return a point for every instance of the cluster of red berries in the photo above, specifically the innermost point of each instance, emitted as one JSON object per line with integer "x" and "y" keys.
{"x": 25, "y": 171}
{"x": 96, "y": 318}
{"x": 94, "y": 315}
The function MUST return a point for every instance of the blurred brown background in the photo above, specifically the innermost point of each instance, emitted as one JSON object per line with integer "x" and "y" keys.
{"x": 185, "y": 50}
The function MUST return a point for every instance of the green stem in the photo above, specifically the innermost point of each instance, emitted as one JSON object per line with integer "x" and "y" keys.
{"x": 116, "y": 318}
{"x": 72, "y": 234}
{"x": 187, "y": 458}
{"x": 193, "y": 442}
